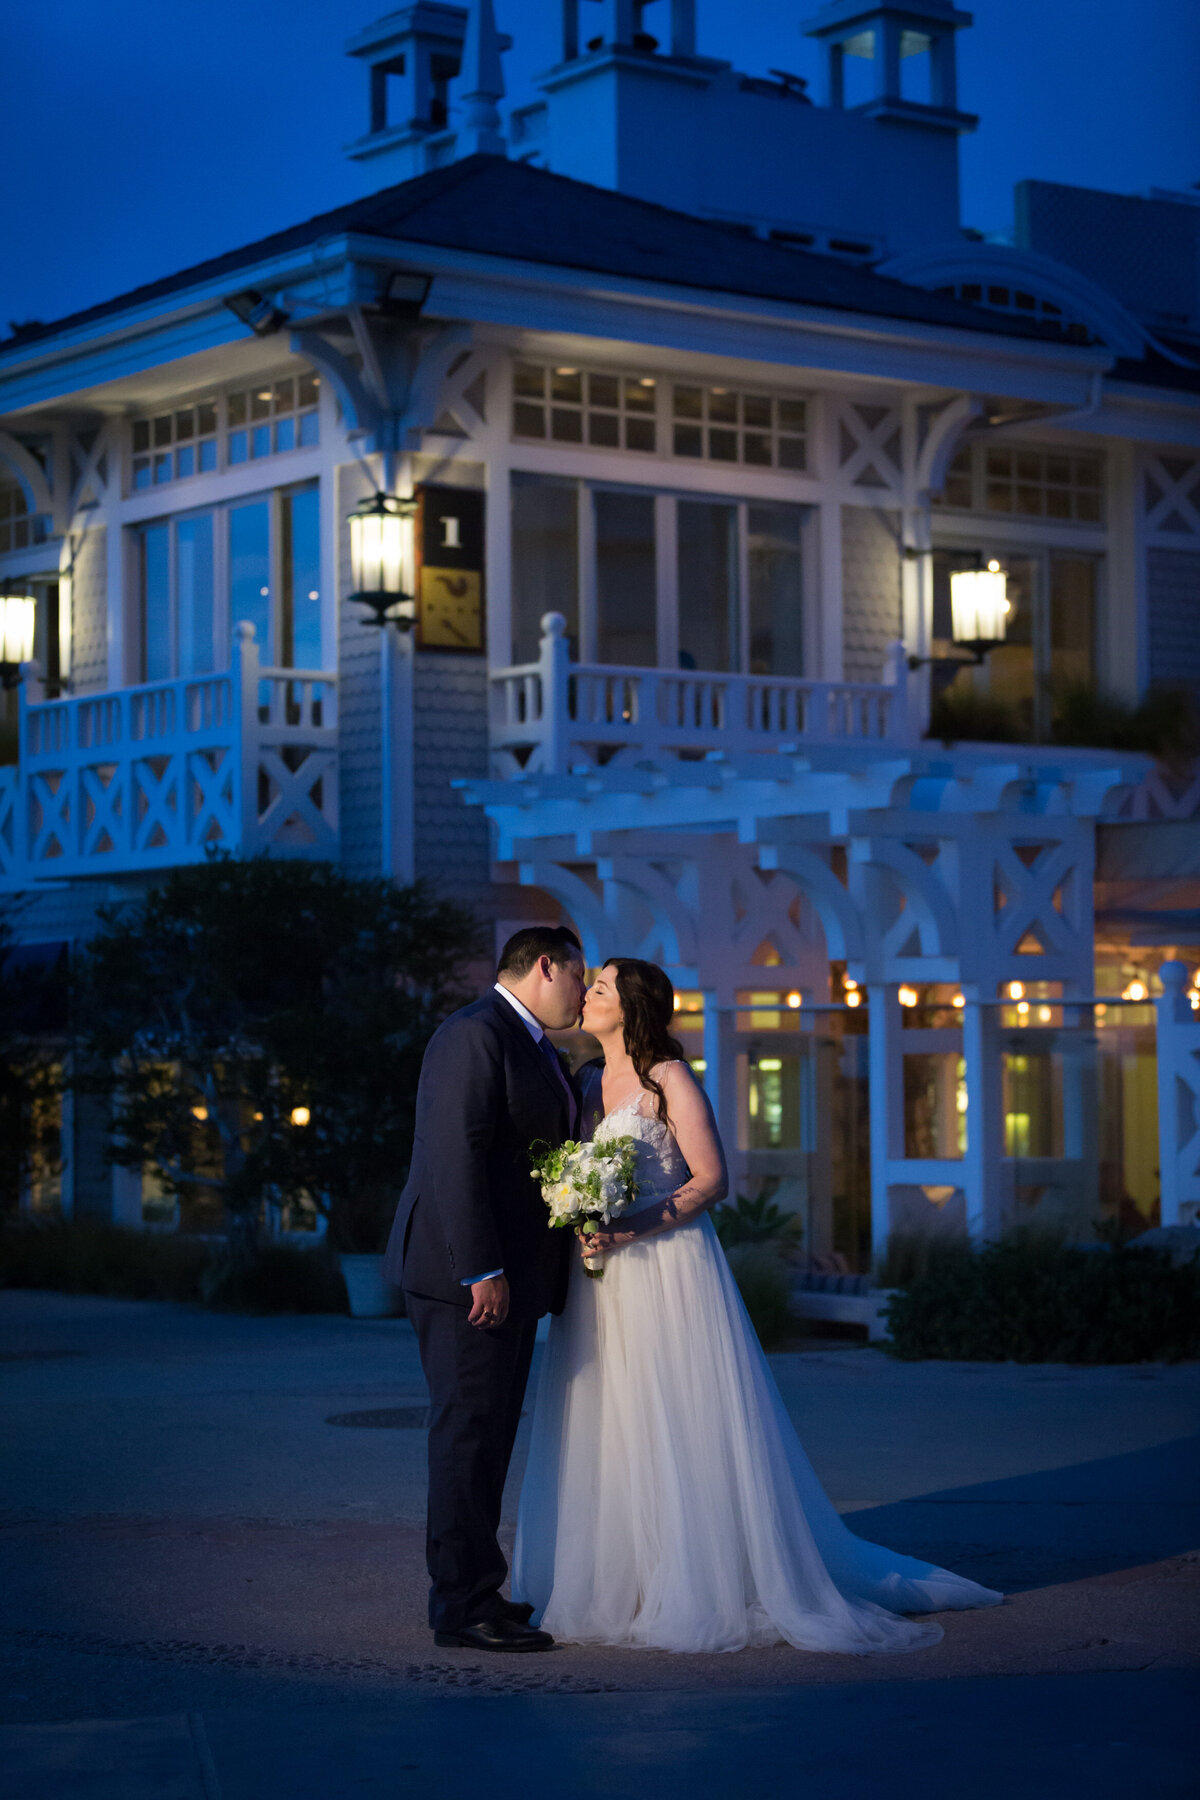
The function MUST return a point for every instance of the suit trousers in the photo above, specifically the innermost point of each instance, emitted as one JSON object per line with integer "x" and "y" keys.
{"x": 476, "y": 1379}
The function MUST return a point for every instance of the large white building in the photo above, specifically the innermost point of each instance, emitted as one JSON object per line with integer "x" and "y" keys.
{"x": 705, "y": 395}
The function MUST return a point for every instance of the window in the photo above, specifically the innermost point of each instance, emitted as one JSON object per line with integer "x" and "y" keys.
{"x": 272, "y": 417}
{"x": 776, "y": 589}
{"x": 648, "y": 578}
{"x": 1030, "y": 484}
{"x": 721, "y": 425}
{"x": 708, "y": 585}
{"x": 175, "y": 445}
{"x": 15, "y": 523}
{"x": 265, "y": 420}
{"x": 545, "y": 559}
{"x": 203, "y": 573}
{"x": 1050, "y": 641}
{"x": 626, "y": 611}
{"x": 575, "y": 406}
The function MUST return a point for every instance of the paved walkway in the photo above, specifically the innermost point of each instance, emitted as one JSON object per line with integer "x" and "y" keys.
{"x": 211, "y": 1584}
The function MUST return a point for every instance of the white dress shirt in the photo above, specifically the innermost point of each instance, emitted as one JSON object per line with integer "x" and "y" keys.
{"x": 537, "y": 1033}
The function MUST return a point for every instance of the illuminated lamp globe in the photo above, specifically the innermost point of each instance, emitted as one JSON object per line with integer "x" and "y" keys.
{"x": 381, "y": 560}
{"x": 18, "y": 613}
{"x": 979, "y": 607}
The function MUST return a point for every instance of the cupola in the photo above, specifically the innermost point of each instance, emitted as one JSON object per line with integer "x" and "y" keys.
{"x": 888, "y": 36}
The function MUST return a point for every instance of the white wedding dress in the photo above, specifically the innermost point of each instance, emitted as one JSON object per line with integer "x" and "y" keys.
{"x": 667, "y": 1501}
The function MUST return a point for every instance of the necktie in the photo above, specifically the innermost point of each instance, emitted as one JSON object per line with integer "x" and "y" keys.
{"x": 551, "y": 1054}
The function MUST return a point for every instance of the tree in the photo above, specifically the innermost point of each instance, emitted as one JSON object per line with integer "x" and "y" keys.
{"x": 259, "y": 1028}
{"x": 33, "y": 1033}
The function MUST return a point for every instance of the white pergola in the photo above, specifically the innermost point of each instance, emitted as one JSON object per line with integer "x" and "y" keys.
{"x": 909, "y": 863}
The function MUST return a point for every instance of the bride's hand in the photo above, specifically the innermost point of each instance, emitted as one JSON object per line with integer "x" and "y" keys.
{"x": 600, "y": 1242}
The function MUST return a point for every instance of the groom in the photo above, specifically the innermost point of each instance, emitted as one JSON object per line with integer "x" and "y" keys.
{"x": 473, "y": 1250}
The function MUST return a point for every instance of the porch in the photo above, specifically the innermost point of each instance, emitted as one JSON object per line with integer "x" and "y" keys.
{"x": 145, "y": 778}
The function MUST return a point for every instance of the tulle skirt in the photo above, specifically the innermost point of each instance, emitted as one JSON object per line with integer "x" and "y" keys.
{"x": 667, "y": 1501}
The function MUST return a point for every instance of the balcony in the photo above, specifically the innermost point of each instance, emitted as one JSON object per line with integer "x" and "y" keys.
{"x": 554, "y": 716}
{"x": 146, "y": 778}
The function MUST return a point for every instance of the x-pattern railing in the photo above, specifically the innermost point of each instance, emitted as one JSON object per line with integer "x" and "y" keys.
{"x": 151, "y": 776}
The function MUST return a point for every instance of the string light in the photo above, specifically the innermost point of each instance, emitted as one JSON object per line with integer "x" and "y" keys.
{"x": 1016, "y": 990}
{"x": 795, "y": 999}
{"x": 1045, "y": 1014}
{"x": 200, "y": 1112}
{"x": 300, "y": 1115}
{"x": 908, "y": 996}
{"x": 959, "y": 1000}
{"x": 854, "y": 998}
{"x": 1137, "y": 990}
{"x": 1023, "y": 1008}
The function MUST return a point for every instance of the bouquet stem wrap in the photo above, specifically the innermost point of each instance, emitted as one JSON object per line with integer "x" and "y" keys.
{"x": 586, "y": 1185}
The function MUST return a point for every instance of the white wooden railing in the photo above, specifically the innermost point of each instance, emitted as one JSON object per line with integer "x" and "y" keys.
{"x": 147, "y": 777}
{"x": 553, "y": 715}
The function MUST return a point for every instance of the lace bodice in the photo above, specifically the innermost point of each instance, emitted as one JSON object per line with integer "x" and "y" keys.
{"x": 660, "y": 1165}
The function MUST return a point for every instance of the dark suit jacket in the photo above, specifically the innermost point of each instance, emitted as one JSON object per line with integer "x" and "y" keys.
{"x": 470, "y": 1204}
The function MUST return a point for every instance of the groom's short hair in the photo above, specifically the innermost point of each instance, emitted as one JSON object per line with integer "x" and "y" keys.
{"x": 524, "y": 948}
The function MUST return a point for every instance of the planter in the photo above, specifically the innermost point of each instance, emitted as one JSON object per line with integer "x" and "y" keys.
{"x": 370, "y": 1294}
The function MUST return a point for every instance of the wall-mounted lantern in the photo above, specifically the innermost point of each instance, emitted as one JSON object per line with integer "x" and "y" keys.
{"x": 979, "y": 613}
{"x": 979, "y": 608}
{"x": 18, "y": 614}
{"x": 381, "y": 560}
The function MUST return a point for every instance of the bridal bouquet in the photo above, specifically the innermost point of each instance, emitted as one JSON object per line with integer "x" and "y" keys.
{"x": 586, "y": 1184}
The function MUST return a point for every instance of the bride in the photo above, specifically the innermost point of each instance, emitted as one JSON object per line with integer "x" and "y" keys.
{"x": 667, "y": 1501}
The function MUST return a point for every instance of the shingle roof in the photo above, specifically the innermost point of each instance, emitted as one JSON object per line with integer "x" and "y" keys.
{"x": 493, "y": 207}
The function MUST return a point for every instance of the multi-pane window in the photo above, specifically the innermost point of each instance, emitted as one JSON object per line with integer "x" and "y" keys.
{"x": 647, "y": 578}
{"x": 15, "y": 523}
{"x": 174, "y": 445}
{"x": 577, "y": 406}
{"x": 1027, "y": 483}
{"x": 205, "y": 572}
{"x": 272, "y": 416}
{"x": 720, "y": 424}
{"x": 264, "y": 420}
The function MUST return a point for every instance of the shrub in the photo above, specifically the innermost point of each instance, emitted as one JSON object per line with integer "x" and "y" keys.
{"x": 90, "y": 1256}
{"x": 763, "y": 1282}
{"x": 1033, "y": 1299}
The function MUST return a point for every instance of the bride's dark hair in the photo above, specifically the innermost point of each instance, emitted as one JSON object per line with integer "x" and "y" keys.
{"x": 647, "y": 1009}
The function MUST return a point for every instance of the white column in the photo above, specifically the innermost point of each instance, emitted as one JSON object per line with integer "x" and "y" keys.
{"x": 555, "y": 662}
{"x": 886, "y": 1102}
{"x": 1178, "y": 1098}
{"x": 244, "y": 675}
{"x": 982, "y": 1172}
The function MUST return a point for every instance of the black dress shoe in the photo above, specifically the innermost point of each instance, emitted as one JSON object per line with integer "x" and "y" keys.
{"x": 494, "y": 1634}
{"x": 520, "y": 1610}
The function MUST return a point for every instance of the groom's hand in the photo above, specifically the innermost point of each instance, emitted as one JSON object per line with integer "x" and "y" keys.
{"x": 489, "y": 1301}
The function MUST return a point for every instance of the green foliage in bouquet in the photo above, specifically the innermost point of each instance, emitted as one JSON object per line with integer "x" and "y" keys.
{"x": 578, "y": 1179}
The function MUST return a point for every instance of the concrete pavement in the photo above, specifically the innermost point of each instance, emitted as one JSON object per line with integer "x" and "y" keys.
{"x": 204, "y": 1580}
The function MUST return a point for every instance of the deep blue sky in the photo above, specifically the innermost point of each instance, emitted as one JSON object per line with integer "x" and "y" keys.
{"x": 144, "y": 136}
